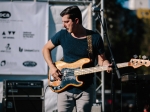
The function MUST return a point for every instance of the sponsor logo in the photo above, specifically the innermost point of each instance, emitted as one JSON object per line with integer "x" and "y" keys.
{"x": 8, "y": 48}
{"x": 5, "y": 14}
{"x": 20, "y": 49}
{"x": 28, "y": 50}
{"x": 28, "y": 35}
{"x": 6, "y": 63}
{"x": 8, "y": 35}
{"x": 3, "y": 63}
{"x": 29, "y": 64}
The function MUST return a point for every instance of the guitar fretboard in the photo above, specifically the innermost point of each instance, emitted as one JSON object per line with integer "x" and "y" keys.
{"x": 96, "y": 69}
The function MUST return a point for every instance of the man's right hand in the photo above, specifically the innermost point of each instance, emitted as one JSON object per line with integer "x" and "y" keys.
{"x": 55, "y": 73}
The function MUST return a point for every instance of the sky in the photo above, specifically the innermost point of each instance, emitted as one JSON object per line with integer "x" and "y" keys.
{"x": 126, "y": 4}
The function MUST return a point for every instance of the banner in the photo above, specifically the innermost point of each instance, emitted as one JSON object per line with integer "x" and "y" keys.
{"x": 23, "y": 33}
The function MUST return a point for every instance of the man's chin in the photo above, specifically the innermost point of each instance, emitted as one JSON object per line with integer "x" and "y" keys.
{"x": 69, "y": 31}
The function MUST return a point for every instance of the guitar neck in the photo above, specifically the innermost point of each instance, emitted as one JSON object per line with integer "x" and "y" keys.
{"x": 97, "y": 69}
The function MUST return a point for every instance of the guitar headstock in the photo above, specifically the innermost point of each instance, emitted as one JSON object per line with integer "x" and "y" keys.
{"x": 135, "y": 63}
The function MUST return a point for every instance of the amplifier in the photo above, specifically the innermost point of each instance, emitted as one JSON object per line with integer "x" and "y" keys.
{"x": 139, "y": 77}
{"x": 23, "y": 104}
{"x": 22, "y": 88}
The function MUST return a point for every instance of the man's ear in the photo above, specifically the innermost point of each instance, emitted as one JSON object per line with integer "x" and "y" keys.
{"x": 76, "y": 20}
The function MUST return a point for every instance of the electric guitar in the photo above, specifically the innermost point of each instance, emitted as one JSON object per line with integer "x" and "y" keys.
{"x": 71, "y": 71}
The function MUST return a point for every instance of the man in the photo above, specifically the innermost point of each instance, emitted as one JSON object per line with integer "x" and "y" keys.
{"x": 75, "y": 47}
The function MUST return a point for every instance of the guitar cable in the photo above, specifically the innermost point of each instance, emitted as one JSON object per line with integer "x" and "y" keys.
{"x": 44, "y": 94}
{"x": 45, "y": 90}
{"x": 13, "y": 98}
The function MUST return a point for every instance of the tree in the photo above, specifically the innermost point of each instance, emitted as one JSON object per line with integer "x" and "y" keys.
{"x": 125, "y": 32}
{"x": 128, "y": 36}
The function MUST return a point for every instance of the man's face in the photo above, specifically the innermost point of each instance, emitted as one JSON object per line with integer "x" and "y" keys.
{"x": 68, "y": 23}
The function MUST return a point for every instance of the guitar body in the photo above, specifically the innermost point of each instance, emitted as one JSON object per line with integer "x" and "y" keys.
{"x": 68, "y": 77}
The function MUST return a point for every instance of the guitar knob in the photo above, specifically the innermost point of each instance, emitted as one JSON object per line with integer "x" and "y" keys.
{"x": 58, "y": 87}
{"x": 54, "y": 88}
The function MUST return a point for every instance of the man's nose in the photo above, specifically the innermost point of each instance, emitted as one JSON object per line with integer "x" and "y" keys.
{"x": 63, "y": 25}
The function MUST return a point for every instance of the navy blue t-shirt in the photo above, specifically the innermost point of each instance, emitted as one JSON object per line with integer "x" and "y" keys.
{"x": 75, "y": 49}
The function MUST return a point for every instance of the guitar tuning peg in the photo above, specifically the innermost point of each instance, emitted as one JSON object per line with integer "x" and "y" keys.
{"x": 135, "y": 56}
{"x": 144, "y": 57}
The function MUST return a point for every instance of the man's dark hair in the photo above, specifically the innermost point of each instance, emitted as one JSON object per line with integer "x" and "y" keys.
{"x": 73, "y": 12}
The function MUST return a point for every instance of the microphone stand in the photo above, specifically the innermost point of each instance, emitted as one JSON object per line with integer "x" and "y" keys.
{"x": 114, "y": 66}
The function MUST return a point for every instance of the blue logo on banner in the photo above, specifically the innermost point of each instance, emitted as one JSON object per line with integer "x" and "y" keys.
{"x": 29, "y": 64}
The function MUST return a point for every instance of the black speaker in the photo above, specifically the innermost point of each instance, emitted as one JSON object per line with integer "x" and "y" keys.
{"x": 23, "y": 96}
{"x": 22, "y": 88}
{"x": 23, "y": 104}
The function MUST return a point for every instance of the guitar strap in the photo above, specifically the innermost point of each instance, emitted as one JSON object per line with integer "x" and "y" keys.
{"x": 89, "y": 40}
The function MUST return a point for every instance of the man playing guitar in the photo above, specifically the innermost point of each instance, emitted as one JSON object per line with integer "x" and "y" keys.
{"x": 74, "y": 42}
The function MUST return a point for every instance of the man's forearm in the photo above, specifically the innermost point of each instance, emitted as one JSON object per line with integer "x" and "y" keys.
{"x": 47, "y": 57}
